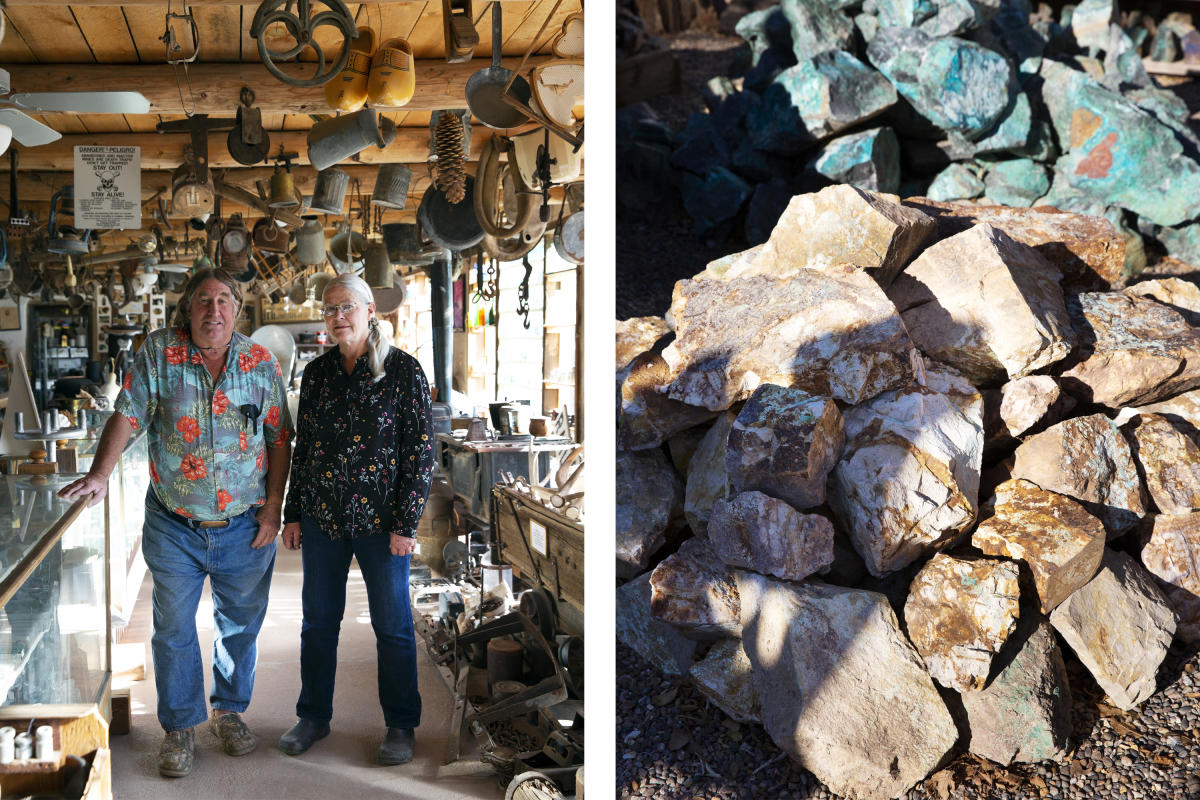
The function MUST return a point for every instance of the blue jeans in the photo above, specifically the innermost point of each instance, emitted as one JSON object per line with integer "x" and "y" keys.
{"x": 326, "y": 566}
{"x": 179, "y": 555}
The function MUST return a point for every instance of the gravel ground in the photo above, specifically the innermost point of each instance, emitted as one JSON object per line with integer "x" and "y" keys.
{"x": 672, "y": 744}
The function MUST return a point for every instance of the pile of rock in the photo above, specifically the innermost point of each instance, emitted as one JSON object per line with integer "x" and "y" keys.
{"x": 950, "y": 99}
{"x": 873, "y": 472}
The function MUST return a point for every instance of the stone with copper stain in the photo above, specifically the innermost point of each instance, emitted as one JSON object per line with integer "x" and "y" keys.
{"x": 642, "y": 518}
{"x": 691, "y": 590}
{"x": 1131, "y": 350}
{"x": 841, "y": 224}
{"x": 841, "y": 690}
{"x": 1055, "y": 536}
{"x": 832, "y": 333}
{"x": 1182, "y": 296}
{"x": 707, "y": 480}
{"x": 783, "y": 443}
{"x": 657, "y": 642}
{"x": 985, "y": 304}
{"x": 648, "y": 417}
{"x": 1169, "y": 460}
{"x": 1086, "y": 458}
{"x": 1087, "y": 250}
{"x": 1032, "y": 401}
{"x": 1024, "y": 714}
{"x": 759, "y": 533}
{"x": 726, "y": 678}
{"x": 1090, "y": 22}
{"x": 958, "y": 615}
{"x": 908, "y": 480}
{"x": 1172, "y": 554}
{"x": 1120, "y": 626}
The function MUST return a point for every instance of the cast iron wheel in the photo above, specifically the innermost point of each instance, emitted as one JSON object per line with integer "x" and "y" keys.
{"x": 538, "y": 605}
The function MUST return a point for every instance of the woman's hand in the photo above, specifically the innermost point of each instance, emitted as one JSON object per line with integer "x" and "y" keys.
{"x": 291, "y": 536}
{"x": 402, "y": 545}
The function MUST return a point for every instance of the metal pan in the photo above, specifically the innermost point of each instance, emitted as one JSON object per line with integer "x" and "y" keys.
{"x": 450, "y": 225}
{"x": 485, "y": 89}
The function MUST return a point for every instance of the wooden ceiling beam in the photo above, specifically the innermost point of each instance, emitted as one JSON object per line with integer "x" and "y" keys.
{"x": 216, "y": 87}
{"x": 192, "y": 3}
{"x": 164, "y": 151}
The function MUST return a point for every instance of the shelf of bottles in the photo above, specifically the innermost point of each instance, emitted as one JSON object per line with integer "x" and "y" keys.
{"x": 58, "y": 338}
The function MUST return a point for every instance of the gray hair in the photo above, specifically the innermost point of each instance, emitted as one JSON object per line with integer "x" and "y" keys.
{"x": 183, "y": 316}
{"x": 377, "y": 346}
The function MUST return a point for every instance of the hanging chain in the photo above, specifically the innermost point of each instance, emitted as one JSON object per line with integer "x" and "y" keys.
{"x": 491, "y": 288}
{"x": 523, "y": 291}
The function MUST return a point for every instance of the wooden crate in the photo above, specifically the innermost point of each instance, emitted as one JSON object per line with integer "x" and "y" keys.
{"x": 555, "y": 551}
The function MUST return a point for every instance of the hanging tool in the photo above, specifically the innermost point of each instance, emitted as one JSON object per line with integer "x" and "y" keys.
{"x": 458, "y": 30}
{"x": 301, "y": 28}
{"x": 178, "y": 55}
{"x": 248, "y": 142}
{"x": 523, "y": 291}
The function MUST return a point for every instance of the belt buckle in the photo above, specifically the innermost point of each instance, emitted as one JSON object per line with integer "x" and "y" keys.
{"x": 214, "y": 523}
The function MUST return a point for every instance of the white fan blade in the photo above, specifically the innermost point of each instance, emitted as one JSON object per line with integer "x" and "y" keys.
{"x": 83, "y": 102}
{"x": 173, "y": 267}
{"x": 27, "y": 130}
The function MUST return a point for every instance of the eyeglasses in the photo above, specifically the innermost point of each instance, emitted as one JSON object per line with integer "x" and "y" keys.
{"x": 345, "y": 308}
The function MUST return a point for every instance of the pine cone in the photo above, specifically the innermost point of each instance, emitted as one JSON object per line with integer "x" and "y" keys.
{"x": 450, "y": 173}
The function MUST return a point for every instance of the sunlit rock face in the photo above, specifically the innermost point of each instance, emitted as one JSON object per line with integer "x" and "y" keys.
{"x": 1172, "y": 554}
{"x": 726, "y": 678}
{"x": 759, "y": 533}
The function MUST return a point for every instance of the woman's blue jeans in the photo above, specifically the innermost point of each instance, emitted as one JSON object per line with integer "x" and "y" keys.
{"x": 326, "y": 567}
{"x": 180, "y": 555}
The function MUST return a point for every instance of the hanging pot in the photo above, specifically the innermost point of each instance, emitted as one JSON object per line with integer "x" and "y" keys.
{"x": 568, "y": 238}
{"x": 331, "y": 140}
{"x": 310, "y": 242}
{"x": 391, "y": 186}
{"x": 485, "y": 89}
{"x": 450, "y": 225}
{"x": 329, "y": 196}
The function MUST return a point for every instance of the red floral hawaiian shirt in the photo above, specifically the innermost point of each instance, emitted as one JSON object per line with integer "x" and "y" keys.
{"x": 207, "y": 441}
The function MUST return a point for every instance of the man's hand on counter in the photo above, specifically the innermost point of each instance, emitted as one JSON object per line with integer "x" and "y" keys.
{"x": 94, "y": 484}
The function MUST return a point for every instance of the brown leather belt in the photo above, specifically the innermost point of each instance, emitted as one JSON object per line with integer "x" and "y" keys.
{"x": 216, "y": 523}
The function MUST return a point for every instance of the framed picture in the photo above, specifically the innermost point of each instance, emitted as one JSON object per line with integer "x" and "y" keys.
{"x": 460, "y": 304}
{"x": 10, "y": 317}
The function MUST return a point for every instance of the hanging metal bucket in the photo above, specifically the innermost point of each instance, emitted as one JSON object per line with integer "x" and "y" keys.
{"x": 333, "y": 139}
{"x": 377, "y": 269}
{"x": 391, "y": 186}
{"x": 329, "y": 197}
{"x": 310, "y": 242}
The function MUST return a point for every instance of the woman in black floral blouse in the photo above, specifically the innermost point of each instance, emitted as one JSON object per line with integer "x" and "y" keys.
{"x": 361, "y": 471}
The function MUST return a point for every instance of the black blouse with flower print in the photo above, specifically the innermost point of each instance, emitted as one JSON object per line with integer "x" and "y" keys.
{"x": 364, "y": 455}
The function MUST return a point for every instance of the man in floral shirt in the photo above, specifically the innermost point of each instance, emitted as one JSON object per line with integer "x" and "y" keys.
{"x": 213, "y": 405}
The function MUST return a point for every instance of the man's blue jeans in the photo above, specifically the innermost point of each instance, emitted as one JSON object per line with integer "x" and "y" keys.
{"x": 326, "y": 566}
{"x": 180, "y": 556}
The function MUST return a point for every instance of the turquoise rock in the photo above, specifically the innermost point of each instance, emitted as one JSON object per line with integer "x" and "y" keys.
{"x": 1090, "y": 22}
{"x": 1065, "y": 197}
{"x": 868, "y": 26}
{"x": 815, "y": 99}
{"x": 868, "y": 159}
{"x": 1123, "y": 63}
{"x": 1138, "y": 35}
{"x": 1012, "y": 130}
{"x": 713, "y": 201}
{"x": 1019, "y": 182}
{"x": 1182, "y": 242}
{"x": 955, "y": 84}
{"x": 955, "y": 182}
{"x": 763, "y": 30}
{"x": 1059, "y": 84}
{"x": 1165, "y": 45}
{"x": 1011, "y": 34}
{"x": 934, "y": 17}
{"x": 1168, "y": 108}
{"x": 1189, "y": 43}
{"x": 817, "y": 27}
{"x": 1121, "y": 152}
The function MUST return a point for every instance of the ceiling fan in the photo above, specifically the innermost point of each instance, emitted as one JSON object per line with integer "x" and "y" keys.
{"x": 31, "y": 133}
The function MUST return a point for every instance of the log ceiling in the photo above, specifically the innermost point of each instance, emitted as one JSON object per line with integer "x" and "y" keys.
{"x": 86, "y": 45}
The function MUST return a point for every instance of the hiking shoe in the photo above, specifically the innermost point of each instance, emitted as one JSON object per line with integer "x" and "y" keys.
{"x": 302, "y": 736}
{"x": 236, "y": 738}
{"x": 397, "y": 747}
{"x": 176, "y": 754}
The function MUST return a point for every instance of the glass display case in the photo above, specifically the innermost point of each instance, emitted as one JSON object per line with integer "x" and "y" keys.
{"x": 55, "y": 656}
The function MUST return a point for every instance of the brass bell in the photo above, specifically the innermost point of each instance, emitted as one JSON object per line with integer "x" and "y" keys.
{"x": 283, "y": 188}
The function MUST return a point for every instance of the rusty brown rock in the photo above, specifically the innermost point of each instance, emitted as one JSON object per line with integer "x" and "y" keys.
{"x": 707, "y": 481}
{"x": 648, "y": 417}
{"x": 1119, "y": 626}
{"x": 1088, "y": 459}
{"x": 958, "y": 615}
{"x": 1172, "y": 554}
{"x": 831, "y": 333}
{"x": 1169, "y": 461}
{"x": 659, "y": 643}
{"x": 1182, "y": 296}
{"x": 908, "y": 480}
{"x": 842, "y": 224}
{"x": 783, "y": 443}
{"x": 985, "y": 304}
{"x": 726, "y": 678}
{"x": 641, "y": 517}
{"x": 1088, "y": 251}
{"x": 1060, "y": 541}
{"x": 759, "y": 533}
{"x": 691, "y": 590}
{"x": 1033, "y": 401}
{"x": 1131, "y": 350}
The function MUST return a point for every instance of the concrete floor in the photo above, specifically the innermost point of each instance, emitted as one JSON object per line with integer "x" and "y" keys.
{"x": 339, "y": 766}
